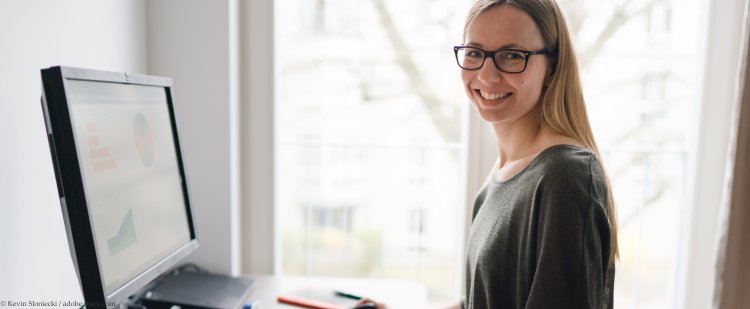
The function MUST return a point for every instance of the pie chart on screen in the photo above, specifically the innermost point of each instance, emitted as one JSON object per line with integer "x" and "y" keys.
{"x": 144, "y": 141}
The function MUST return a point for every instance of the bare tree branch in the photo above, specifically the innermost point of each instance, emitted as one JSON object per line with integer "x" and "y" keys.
{"x": 576, "y": 14}
{"x": 619, "y": 18}
{"x": 446, "y": 124}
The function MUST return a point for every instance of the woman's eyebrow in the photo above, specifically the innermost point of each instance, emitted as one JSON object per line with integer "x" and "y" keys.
{"x": 506, "y": 46}
{"x": 511, "y": 45}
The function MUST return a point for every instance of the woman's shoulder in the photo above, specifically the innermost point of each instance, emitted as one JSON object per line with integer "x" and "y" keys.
{"x": 566, "y": 157}
{"x": 565, "y": 163}
{"x": 571, "y": 169}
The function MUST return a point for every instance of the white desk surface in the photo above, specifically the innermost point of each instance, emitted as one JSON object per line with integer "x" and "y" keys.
{"x": 394, "y": 293}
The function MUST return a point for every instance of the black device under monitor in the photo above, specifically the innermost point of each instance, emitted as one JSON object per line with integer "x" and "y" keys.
{"x": 122, "y": 185}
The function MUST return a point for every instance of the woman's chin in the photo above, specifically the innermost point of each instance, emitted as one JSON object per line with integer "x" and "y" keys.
{"x": 490, "y": 116}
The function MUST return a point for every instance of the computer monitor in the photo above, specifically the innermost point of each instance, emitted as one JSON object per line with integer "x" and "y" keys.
{"x": 120, "y": 178}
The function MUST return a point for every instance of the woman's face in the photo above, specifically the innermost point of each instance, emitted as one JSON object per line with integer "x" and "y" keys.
{"x": 499, "y": 97}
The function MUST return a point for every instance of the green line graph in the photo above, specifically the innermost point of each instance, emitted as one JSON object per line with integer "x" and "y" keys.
{"x": 125, "y": 235}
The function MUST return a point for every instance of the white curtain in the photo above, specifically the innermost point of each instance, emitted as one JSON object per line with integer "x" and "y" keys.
{"x": 733, "y": 259}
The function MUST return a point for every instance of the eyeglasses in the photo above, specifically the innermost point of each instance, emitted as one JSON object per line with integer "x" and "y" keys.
{"x": 506, "y": 60}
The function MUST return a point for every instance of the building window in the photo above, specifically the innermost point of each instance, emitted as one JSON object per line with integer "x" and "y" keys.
{"x": 660, "y": 17}
{"x": 417, "y": 221}
{"x": 654, "y": 86}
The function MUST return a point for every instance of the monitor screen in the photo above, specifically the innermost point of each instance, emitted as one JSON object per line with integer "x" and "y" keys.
{"x": 129, "y": 168}
{"x": 122, "y": 187}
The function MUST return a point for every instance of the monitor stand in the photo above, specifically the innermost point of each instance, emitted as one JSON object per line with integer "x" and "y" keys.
{"x": 189, "y": 289}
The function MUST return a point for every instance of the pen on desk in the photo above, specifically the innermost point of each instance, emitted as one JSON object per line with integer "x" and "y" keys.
{"x": 348, "y": 295}
{"x": 252, "y": 305}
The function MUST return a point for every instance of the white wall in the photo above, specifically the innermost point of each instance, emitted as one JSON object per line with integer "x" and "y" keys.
{"x": 194, "y": 43}
{"x": 35, "y": 262}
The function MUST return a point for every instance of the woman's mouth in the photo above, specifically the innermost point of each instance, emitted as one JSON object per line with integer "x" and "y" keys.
{"x": 492, "y": 98}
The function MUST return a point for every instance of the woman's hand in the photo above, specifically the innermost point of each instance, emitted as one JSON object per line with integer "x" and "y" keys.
{"x": 374, "y": 304}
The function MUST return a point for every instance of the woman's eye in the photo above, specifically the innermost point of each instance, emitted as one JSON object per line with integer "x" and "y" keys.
{"x": 512, "y": 56}
{"x": 474, "y": 54}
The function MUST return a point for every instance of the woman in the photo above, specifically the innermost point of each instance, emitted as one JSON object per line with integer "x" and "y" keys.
{"x": 543, "y": 231}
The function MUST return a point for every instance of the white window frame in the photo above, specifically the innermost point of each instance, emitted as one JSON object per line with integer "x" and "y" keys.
{"x": 259, "y": 231}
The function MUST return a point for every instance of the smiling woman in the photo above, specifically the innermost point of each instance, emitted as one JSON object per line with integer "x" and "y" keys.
{"x": 545, "y": 217}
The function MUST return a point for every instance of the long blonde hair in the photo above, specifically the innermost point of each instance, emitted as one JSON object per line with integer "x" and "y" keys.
{"x": 562, "y": 106}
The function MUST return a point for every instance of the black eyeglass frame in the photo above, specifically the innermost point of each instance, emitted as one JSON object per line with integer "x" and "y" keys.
{"x": 491, "y": 54}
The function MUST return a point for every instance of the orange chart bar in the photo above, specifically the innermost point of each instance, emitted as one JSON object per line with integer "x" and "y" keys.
{"x": 104, "y": 165}
{"x": 99, "y": 152}
{"x": 93, "y": 140}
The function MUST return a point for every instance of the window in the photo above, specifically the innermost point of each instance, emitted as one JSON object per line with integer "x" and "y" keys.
{"x": 370, "y": 137}
{"x": 370, "y": 115}
{"x": 654, "y": 87}
{"x": 659, "y": 18}
{"x": 417, "y": 221}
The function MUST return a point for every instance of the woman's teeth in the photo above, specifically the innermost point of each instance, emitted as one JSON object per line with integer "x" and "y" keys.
{"x": 494, "y": 95}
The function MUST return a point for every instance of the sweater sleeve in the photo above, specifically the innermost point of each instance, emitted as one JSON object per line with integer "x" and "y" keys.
{"x": 572, "y": 240}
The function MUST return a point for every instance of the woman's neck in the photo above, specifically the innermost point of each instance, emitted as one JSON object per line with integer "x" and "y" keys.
{"x": 517, "y": 140}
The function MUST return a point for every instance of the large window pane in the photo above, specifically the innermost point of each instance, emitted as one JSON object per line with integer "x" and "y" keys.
{"x": 369, "y": 143}
{"x": 370, "y": 117}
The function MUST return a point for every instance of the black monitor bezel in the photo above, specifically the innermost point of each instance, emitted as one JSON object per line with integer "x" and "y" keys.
{"x": 72, "y": 193}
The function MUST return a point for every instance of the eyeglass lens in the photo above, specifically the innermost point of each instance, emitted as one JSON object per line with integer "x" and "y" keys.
{"x": 506, "y": 60}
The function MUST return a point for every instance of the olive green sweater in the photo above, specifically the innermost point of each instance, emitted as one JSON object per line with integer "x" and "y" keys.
{"x": 541, "y": 239}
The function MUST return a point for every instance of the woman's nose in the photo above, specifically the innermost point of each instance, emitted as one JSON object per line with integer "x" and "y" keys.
{"x": 489, "y": 72}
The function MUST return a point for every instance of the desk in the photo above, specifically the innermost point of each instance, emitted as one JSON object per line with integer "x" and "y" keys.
{"x": 394, "y": 293}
